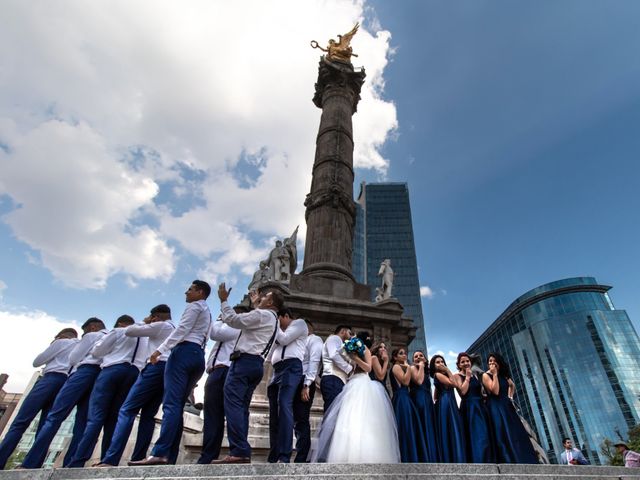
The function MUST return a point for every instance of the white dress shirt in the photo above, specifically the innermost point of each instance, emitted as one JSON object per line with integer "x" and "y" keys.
{"x": 312, "y": 358}
{"x": 81, "y": 353}
{"x": 193, "y": 327}
{"x": 56, "y": 356}
{"x": 290, "y": 343}
{"x": 257, "y": 327}
{"x": 116, "y": 348}
{"x": 333, "y": 363}
{"x": 225, "y": 338}
{"x": 156, "y": 333}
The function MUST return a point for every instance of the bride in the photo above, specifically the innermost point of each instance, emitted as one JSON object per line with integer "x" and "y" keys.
{"x": 347, "y": 434}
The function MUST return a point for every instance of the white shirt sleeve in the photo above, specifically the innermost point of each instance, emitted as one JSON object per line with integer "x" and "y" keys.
{"x": 82, "y": 348}
{"x": 295, "y": 330}
{"x": 150, "y": 330}
{"x": 239, "y": 320}
{"x": 49, "y": 353}
{"x": 104, "y": 346}
{"x": 315, "y": 356}
{"x": 187, "y": 321}
{"x": 334, "y": 347}
{"x": 221, "y": 332}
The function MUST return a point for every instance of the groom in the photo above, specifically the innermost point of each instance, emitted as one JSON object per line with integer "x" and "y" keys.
{"x": 335, "y": 368}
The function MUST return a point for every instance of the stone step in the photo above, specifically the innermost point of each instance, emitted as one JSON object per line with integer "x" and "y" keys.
{"x": 332, "y": 472}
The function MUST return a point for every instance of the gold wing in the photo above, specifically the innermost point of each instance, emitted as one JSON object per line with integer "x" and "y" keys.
{"x": 345, "y": 39}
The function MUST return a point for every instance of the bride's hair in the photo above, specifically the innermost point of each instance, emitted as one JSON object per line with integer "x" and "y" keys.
{"x": 366, "y": 338}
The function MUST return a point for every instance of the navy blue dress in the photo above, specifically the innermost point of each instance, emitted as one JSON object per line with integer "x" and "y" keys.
{"x": 410, "y": 434}
{"x": 477, "y": 424}
{"x": 422, "y": 400}
{"x": 373, "y": 377}
{"x": 449, "y": 425}
{"x": 512, "y": 442}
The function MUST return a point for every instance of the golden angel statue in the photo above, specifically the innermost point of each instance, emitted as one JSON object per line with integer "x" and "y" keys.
{"x": 341, "y": 50}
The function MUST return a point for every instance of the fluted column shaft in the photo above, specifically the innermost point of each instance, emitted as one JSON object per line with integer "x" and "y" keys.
{"x": 330, "y": 210}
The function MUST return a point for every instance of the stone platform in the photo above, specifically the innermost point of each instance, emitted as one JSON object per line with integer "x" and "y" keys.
{"x": 332, "y": 472}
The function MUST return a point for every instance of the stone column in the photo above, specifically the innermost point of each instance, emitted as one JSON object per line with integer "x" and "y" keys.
{"x": 330, "y": 210}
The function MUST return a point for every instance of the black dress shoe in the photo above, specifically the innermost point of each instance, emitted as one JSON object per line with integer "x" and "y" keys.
{"x": 230, "y": 459}
{"x": 149, "y": 461}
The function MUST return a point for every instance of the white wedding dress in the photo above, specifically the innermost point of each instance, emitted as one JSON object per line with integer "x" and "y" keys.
{"x": 359, "y": 426}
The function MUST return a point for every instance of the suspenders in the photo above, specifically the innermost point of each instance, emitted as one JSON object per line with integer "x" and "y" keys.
{"x": 135, "y": 351}
{"x": 236, "y": 354}
{"x": 273, "y": 337}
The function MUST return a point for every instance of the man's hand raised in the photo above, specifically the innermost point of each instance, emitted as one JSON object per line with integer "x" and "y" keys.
{"x": 223, "y": 293}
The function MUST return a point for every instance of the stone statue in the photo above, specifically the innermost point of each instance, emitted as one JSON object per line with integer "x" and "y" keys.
{"x": 379, "y": 297}
{"x": 261, "y": 276}
{"x": 387, "y": 279}
{"x": 283, "y": 259}
{"x": 292, "y": 248}
{"x": 341, "y": 50}
{"x": 278, "y": 259}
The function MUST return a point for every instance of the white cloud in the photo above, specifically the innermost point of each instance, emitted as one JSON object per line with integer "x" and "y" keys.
{"x": 76, "y": 203}
{"x": 16, "y": 353}
{"x": 192, "y": 87}
{"x": 425, "y": 291}
{"x": 3, "y": 287}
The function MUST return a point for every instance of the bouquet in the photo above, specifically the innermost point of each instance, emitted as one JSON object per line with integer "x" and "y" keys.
{"x": 354, "y": 345}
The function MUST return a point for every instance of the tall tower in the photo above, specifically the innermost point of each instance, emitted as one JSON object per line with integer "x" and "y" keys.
{"x": 330, "y": 212}
{"x": 384, "y": 229}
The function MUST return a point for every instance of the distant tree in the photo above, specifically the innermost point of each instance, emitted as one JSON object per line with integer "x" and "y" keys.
{"x": 609, "y": 451}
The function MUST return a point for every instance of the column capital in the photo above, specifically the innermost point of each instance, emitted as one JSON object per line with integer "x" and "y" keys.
{"x": 339, "y": 76}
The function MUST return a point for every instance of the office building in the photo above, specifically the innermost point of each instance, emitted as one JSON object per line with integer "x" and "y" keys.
{"x": 384, "y": 230}
{"x": 574, "y": 359}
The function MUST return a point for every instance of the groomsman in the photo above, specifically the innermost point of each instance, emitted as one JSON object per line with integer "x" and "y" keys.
{"x": 122, "y": 359}
{"x": 41, "y": 397}
{"x": 335, "y": 368}
{"x": 217, "y": 368}
{"x": 303, "y": 399}
{"x": 286, "y": 358}
{"x": 145, "y": 396}
{"x": 184, "y": 368}
{"x": 258, "y": 331}
{"x": 74, "y": 393}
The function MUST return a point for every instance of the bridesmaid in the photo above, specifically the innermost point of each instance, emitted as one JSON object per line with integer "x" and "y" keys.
{"x": 475, "y": 416}
{"x": 380, "y": 364}
{"x": 511, "y": 439}
{"x": 420, "y": 391}
{"x": 448, "y": 420}
{"x": 410, "y": 434}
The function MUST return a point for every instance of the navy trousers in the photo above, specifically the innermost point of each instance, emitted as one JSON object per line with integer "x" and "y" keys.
{"x": 108, "y": 395}
{"x": 330, "y": 387}
{"x": 145, "y": 398}
{"x": 244, "y": 376}
{"x": 39, "y": 400}
{"x": 213, "y": 429}
{"x": 184, "y": 368}
{"x": 301, "y": 424}
{"x": 74, "y": 393}
{"x": 287, "y": 375}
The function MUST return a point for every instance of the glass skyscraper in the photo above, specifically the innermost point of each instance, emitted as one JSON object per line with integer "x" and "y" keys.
{"x": 384, "y": 230}
{"x": 574, "y": 359}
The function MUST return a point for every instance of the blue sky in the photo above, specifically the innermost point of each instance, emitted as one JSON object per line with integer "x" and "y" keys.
{"x": 132, "y": 162}
{"x": 518, "y": 135}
